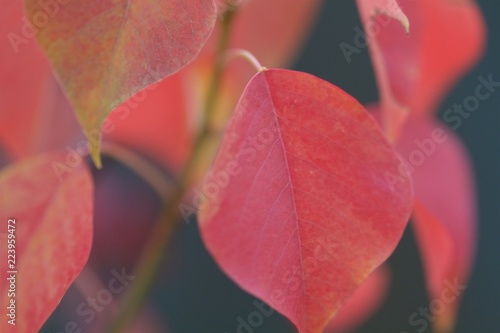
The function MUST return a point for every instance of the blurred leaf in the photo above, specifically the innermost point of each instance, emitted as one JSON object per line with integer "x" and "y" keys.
{"x": 53, "y": 235}
{"x": 445, "y": 211}
{"x": 415, "y": 71}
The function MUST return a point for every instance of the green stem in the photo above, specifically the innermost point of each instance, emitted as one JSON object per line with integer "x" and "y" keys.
{"x": 156, "y": 249}
{"x": 211, "y": 99}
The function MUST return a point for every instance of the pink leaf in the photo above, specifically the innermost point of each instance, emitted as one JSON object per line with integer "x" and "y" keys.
{"x": 104, "y": 51}
{"x": 415, "y": 71}
{"x": 444, "y": 216}
{"x": 51, "y": 236}
{"x": 298, "y": 209}
{"x": 394, "y": 113}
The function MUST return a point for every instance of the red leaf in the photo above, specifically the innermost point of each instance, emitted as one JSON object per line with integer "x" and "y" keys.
{"x": 415, "y": 71}
{"x": 444, "y": 217}
{"x": 299, "y": 212}
{"x": 53, "y": 235}
{"x": 104, "y": 51}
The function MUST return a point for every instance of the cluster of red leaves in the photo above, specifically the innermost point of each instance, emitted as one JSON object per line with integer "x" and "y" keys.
{"x": 315, "y": 198}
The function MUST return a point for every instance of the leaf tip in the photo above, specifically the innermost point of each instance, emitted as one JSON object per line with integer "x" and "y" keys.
{"x": 445, "y": 323}
{"x": 406, "y": 24}
{"x": 393, "y": 10}
{"x": 95, "y": 154}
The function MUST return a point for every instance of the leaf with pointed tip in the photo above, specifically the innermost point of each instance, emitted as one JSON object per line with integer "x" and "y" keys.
{"x": 444, "y": 216}
{"x": 53, "y": 235}
{"x": 298, "y": 211}
{"x": 415, "y": 71}
{"x": 104, "y": 51}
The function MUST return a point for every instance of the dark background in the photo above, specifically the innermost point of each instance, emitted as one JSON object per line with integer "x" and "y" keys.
{"x": 192, "y": 294}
